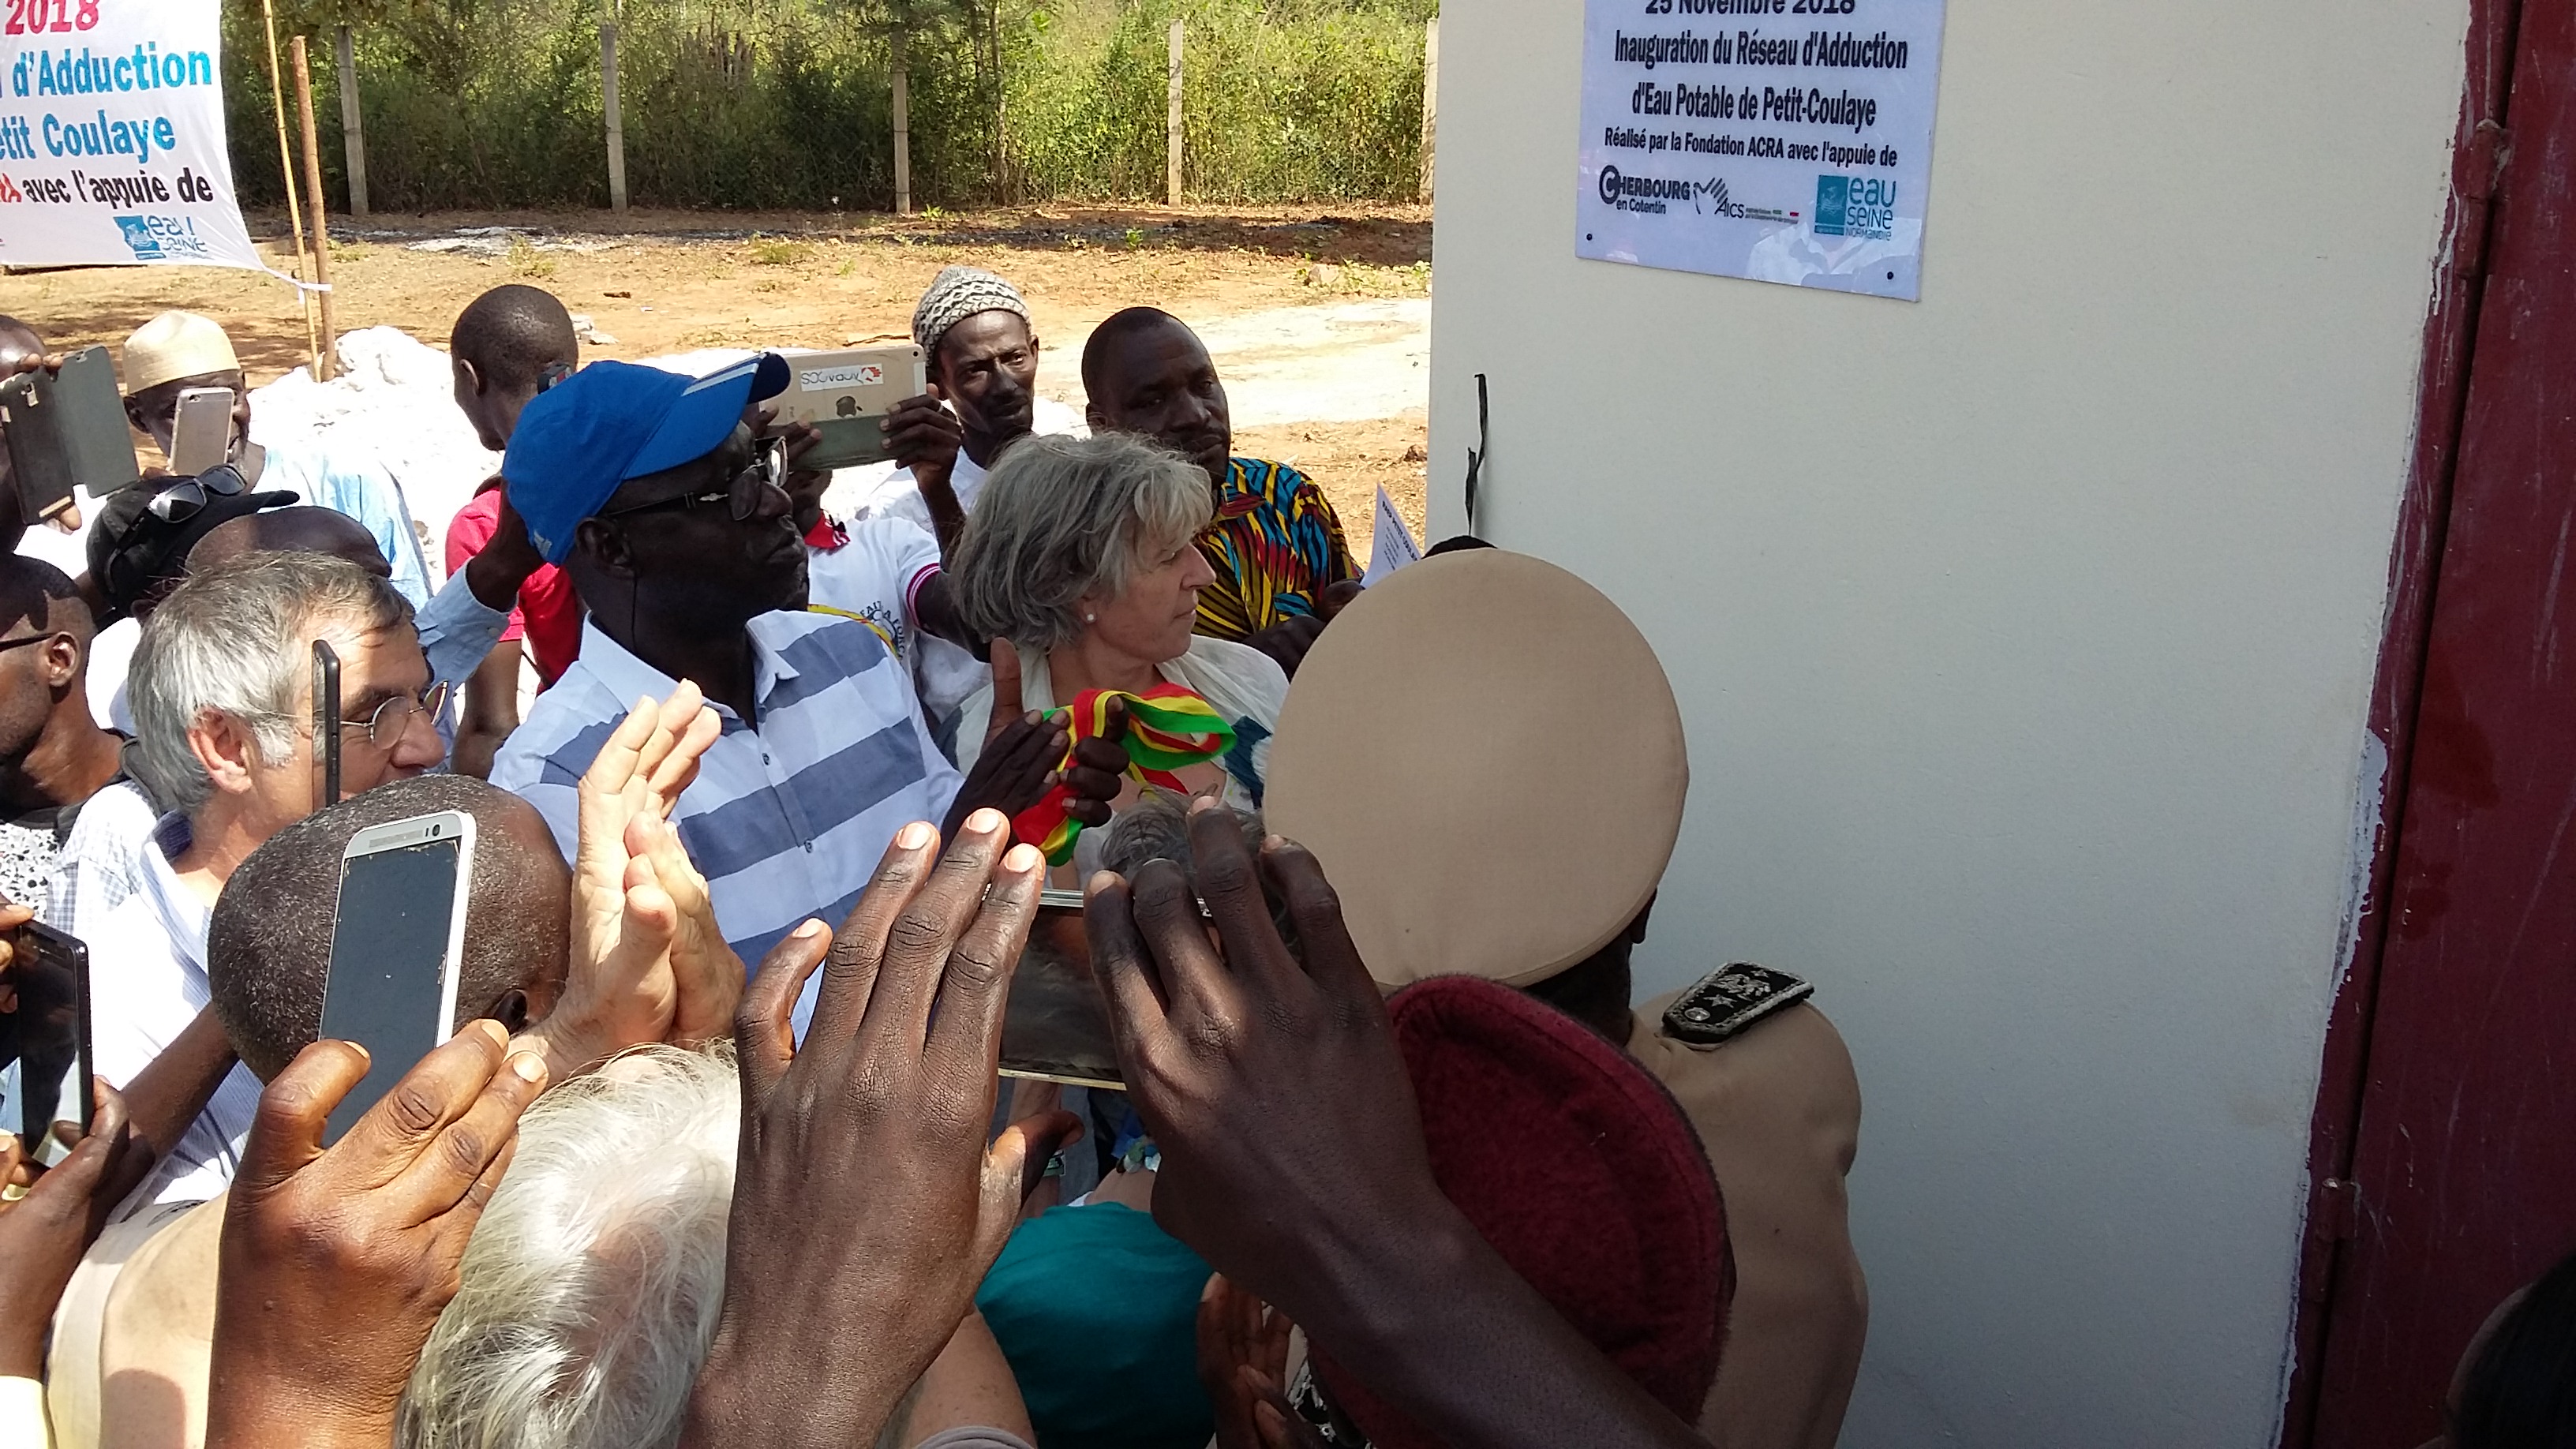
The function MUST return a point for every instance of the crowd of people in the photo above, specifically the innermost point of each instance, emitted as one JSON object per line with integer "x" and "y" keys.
{"x": 767, "y": 803}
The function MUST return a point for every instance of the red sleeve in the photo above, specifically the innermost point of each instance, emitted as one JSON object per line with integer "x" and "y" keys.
{"x": 473, "y": 527}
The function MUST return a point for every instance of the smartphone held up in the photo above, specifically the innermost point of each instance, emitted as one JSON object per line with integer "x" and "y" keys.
{"x": 47, "y": 1030}
{"x": 397, "y": 937}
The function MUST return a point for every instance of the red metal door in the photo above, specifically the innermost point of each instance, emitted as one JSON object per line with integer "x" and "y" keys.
{"x": 2463, "y": 1163}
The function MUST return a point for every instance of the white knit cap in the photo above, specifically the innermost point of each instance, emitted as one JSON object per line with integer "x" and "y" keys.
{"x": 175, "y": 345}
{"x": 956, "y": 294}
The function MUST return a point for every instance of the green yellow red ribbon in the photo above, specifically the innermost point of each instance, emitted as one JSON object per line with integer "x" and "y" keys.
{"x": 1167, "y": 727}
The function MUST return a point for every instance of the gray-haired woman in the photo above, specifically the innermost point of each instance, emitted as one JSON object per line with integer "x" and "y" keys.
{"x": 1082, "y": 554}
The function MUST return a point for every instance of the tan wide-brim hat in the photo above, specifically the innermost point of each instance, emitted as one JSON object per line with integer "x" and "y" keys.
{"x": 175, "y": 345}
{"x": 1485, "y": 756}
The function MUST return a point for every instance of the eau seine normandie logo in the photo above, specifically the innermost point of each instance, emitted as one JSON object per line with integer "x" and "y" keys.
{"x": 161, "y": 238}
{"x": 1855, "y": 206}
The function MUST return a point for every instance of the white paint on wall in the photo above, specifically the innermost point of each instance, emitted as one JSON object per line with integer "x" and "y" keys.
{"x": 2025, "y": 636}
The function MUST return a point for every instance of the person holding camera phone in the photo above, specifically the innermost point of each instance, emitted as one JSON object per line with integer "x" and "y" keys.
{"x": 177, "y": 352}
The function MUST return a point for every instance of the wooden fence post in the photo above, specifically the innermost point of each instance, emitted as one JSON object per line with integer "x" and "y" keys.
{"x": 313, "y": 188}
{"x": 353, "y": 133}
{"x": 902, "y": 128}
{"x": 286, "y": 178}
{"x": 1172, "y": 125}
{"x": 1430, "y": 98}
{"x": 616, "y": 124}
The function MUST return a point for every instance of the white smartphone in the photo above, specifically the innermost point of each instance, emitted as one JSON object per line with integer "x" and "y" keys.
{"x": 203, "y": 435}
{"x": 397, "y": 936}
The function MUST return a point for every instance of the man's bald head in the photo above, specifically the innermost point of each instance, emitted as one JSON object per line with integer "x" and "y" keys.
{"x": 300, "y": 529}
{"x": 36, "y": 598}
{"x": 17, "y": 340}
{"x": 1144, "y": 371}
{"x": 268, "y": 944}
{"x": 42, "y": 691}
{"x": 510, "y": 344}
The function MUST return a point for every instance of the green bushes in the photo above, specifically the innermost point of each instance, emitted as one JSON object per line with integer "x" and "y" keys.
{"x": 785, "y": 103}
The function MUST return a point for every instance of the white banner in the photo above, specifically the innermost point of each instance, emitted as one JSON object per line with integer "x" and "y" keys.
{"x": 1780, "y": 140}
{"x": 112, "y": 136}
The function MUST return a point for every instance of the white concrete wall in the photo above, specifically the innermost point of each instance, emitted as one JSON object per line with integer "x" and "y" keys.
{"x": 2024, "y": 635}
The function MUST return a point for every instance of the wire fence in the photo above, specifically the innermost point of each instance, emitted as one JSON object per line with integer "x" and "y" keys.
{"x": 787, "y": 104}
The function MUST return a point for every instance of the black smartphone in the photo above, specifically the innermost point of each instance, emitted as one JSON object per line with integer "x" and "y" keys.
{"x": 397, "y": 934}
{"x": 326, "y": 725}
{"x": 1055, "y": 1027}
{"x": 50, "y": 973}
{"x": 67, "y": 430}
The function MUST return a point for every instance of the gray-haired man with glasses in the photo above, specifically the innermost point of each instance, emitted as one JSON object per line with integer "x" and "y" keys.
{"x": 223, "y": 705}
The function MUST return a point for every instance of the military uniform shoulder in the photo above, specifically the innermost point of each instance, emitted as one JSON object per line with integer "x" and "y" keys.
{"x": 1728, "y": 1002}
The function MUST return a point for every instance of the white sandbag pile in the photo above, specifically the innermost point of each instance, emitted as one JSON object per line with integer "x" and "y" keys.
{"x": 393, "y": 396}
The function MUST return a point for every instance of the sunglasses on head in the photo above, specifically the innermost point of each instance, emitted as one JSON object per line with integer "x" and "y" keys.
{"x": 188, "y": 497}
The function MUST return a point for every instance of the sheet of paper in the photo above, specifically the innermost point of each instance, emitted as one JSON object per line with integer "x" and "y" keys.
{"x": 1393, "y": 546}
{"x": 1780, "y": 140}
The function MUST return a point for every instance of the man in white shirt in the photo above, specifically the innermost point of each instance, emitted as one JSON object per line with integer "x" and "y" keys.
{"x": 179, "y": 351}
{"x": 981, "y": 353}
{"x": 223, "y": 704}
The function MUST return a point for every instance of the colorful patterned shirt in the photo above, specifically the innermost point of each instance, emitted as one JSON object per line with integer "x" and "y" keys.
{"x": 1275, "y": 545}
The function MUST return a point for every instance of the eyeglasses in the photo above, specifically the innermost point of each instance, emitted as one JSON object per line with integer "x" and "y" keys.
{"x": 758, "y": 483}
{"x": 8, "y": 644}
{"x": 385, "y": 727}
{"x": 188, "y": 497}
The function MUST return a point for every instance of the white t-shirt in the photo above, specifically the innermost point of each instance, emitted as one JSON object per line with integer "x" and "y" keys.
{"x": 872, "y": 578}
{"x": 147, "y": 984}
{"x": 876, "y": 577}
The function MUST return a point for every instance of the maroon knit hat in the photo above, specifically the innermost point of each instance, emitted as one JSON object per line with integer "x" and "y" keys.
{"x": 1594, "y": 1188}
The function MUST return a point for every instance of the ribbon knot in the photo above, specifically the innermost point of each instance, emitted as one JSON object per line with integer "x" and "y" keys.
{"x": 1168, "y": 727}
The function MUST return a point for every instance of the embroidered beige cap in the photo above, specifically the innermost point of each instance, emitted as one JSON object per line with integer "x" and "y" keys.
{"x": 176, "y": 345}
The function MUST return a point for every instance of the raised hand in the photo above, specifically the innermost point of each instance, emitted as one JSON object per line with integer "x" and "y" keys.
{"x": 866, "y": 1203}
{"x": 1273, "y": 1086}
{"x": 336, "y": 1263}
{"x": 43, "y": 1234}
{"x": 1243, "y": 1365}
{"x": 1293, "y": 1156}
{"x": 648, "y": 964}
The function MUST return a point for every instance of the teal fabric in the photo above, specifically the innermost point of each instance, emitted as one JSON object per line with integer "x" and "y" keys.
{"x": 1097, "y": 1310}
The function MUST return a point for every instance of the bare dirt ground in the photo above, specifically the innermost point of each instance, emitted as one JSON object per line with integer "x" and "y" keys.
{"x": 1318, "y": 318}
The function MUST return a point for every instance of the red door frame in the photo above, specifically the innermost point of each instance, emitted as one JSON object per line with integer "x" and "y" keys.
{"x": 2479, "y": 151}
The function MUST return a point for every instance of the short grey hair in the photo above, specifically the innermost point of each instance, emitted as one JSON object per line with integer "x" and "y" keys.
{"x": 236, "y": 641}
{"x": 589, "y": 1293}
{"x": 1062, "y": 518}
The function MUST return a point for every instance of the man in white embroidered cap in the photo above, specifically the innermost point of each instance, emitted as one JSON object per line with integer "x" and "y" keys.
{"x": 981, "y": 352}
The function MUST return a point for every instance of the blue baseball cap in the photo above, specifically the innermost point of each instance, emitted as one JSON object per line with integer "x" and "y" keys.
{"x": 611, "y": 421}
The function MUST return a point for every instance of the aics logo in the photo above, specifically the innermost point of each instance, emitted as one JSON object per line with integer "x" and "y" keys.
{"x": 1648, "y": 194}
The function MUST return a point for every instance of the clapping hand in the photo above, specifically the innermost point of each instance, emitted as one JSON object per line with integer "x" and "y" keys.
{"x": 649, "y": 963}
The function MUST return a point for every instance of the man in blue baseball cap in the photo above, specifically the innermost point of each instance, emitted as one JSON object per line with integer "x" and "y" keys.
{"x": 669, "y": 513}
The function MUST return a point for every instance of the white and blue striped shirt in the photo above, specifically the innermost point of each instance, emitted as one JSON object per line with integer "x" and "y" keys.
{"x": 787, "y": 820}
